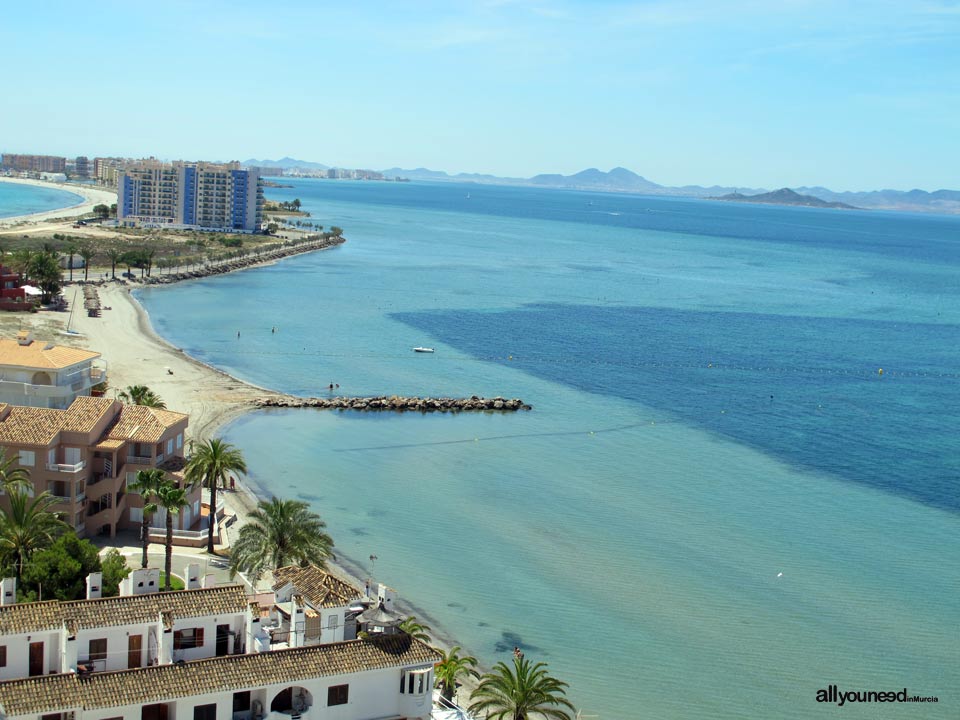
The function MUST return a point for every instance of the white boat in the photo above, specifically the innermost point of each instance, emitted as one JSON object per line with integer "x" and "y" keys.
{"x": 423, "y": 349}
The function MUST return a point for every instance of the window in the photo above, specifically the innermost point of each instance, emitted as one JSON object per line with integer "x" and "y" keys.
{"x": 205, "y": 712}
{"x": 136, "y": 515}
{"x": 98, "y": 649}
{"x": 28, "y": 458}
{"x": 170, "y": 446}
{"x": 241, "y": 701}
{"x": 187, "y": 639}
{"x": 179, "y": 441}
{"x": 337, "y": 695}
{"x": 52, "y": 456}
{"x": 416, "y": 682}
{"x": 3, "y": 655}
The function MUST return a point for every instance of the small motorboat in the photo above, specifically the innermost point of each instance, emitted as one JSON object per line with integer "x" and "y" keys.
{"x": 423, "y": 349}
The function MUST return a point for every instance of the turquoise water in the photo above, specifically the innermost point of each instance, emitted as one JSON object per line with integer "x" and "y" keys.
{"x": 708, "y": 413}
{"x": 16, "y": 199}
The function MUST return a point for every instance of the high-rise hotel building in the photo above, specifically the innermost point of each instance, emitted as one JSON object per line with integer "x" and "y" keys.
{"x": 183, "y": 194}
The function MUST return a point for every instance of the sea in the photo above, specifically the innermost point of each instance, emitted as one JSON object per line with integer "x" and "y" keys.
{"x": 738, "y": 484}
{"x": 17, "y": 199}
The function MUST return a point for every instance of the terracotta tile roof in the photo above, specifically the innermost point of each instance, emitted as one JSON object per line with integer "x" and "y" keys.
{"x": 30, "y": 617}
{"x": 142, "y": 424}
{"x": 31, "y": 426}
{"x": 107, "y": 612}
{"x": 320, "y": 588}
{"x": 215, "y": 675}
{"x": 84, "y": 413}
{"x": 109, "y": 444}
{"x": 39, "y": 354}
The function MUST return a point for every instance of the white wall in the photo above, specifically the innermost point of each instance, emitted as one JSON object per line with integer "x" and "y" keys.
{"x": 18, "y": 653}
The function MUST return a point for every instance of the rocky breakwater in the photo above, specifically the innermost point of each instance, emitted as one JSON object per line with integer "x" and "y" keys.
{"x": 239, "y": 263}
{"x": 398, "y": 403}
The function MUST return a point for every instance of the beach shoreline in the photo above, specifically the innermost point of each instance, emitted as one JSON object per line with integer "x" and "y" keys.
{"x": 91, "y": 196}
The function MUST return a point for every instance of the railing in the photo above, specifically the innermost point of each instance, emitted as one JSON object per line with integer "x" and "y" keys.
{"x": 139, "y": 460}
{"x": 161, "y": 533}
{"x": 64, "y": 467}
{"x": 66, "y": 499}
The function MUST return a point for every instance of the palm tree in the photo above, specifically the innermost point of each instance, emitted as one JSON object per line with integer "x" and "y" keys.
{"x": 278, "y": 533}
{"x": 71, "y": 251}
{"x": 12, "y": 477}
{"x": 518, "y": 693}
{"x": 45, "y": 272}
{"x": 141, "y": 395}
{"x": 114, "y": 254}
{"x": 210, "y": 464}
{"x": 172, "y": 499}
{"x": 451, "y": 667}
{"x": 147, "y": 485}
{"x": 29, "y": 525}
{"x": 87, "y": 252}
{"x": 22, "y": 261}
{"x": 416, "y": 629}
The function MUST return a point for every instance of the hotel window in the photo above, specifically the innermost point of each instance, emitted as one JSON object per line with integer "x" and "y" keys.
{"x": 188, "y": 639}
{"x": 98, "y": 649}
{"x": 28, "y": 458}
{"x": 338, "y": 695}
{"x": 205, "y": 712}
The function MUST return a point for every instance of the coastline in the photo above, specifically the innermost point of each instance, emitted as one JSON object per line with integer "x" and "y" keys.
{"x": 136, "y": 354}
{"x": 91, "y": 196}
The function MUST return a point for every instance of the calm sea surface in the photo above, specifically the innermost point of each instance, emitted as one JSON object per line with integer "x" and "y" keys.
{"x": 16, "y": 199}
{"x": 718, "y": 505}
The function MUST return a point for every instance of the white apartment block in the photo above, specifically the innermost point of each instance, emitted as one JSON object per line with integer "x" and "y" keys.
{"x": 209, "y": 196}
{"x": 41, "y": 374}
{"x": 209, "y": 653}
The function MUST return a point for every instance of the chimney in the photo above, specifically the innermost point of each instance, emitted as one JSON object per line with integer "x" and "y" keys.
{"x": 68, "y": 655}
{"x": 387, "y": 596}
{"x": 166, "y": 637}
{"x": 94, "y": 583}
{"x": 298, "y": 623}
{"x": 8, "y": 586}
{"x": 140, "y": 582}
{"x": 24, "y": 337}
{"x": 193, "y": 576}
{"x": 253, "y": 628}
{"x": 209, "y": 580}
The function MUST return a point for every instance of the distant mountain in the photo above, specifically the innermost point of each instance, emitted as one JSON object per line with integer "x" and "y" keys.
{"x": 286, "y": 163}
{"x": 784, "y": 196}
{"x": 619, "y": 179}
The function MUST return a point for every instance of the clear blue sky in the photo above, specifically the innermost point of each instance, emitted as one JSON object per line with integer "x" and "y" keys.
{"x": 766, "y": 93}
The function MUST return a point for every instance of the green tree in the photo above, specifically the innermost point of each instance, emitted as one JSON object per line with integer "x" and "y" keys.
{"x": 45, "y": 272}
{"x": 451, "y": 668}
{"x": 296, "y": 205}
{"x": 102, "y": 211}
{"x": 87, "y": 252}
{"x": 279, "y": 533}
{"x": 141, "y": 395}
{"x": 22, "y": 262}
{"x": 147, "y": 485}
{"x": 210, "y": 464}
{"x": 60, "y": 571}
{"x": 172, "y": 499}
{"x": 416, "y": 629}
{"x": 113, "y": 210}
{"x": 11, "y": 474}
{"x": 27, "y": 527}
{"x": 336, "y": 231}
{"x": 114, "y": 567}
{"x": 519, "y": 692}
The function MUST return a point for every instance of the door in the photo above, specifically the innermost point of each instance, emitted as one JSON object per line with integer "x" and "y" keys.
{"x": 36, "y": 658}
{"x": 223, "y": 640}
{"x": 134, "y": 651}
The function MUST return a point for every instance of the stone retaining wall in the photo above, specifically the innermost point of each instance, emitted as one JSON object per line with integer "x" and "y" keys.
{"x": 398, "y": 403}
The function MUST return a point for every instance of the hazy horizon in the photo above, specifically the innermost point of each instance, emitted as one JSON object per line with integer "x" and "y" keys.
{"x": 846, "y": 95}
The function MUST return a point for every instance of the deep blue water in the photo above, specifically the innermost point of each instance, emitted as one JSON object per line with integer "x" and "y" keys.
{"x": 771, "y": 383}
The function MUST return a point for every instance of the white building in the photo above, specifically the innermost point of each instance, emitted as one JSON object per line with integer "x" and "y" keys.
{"x": 207, "y": 654}
{"x": 41, "y": 374}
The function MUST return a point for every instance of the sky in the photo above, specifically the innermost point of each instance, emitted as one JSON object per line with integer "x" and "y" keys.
{"x": 753, "y": 93}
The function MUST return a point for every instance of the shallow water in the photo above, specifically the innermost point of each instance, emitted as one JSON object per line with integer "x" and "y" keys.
{"x": 708, "y": 413}
{"x": 17, "y": 199}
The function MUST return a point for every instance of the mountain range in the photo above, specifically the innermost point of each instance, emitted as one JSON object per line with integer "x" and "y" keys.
{"x": 620, "y": 179}
{"x": 784, "y": 196}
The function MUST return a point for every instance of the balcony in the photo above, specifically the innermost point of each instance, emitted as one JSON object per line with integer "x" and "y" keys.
{"x": 64, "y": 468}
{"x": 139, "y": 460}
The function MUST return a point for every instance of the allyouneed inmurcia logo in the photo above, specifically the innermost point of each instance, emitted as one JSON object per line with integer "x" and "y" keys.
{"x": 833, "y": 694}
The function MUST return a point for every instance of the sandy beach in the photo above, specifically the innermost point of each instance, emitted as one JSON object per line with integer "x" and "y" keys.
{"x": 92, "y": 195}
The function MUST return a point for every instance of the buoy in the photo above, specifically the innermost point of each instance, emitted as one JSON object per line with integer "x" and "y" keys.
{"x": 880, "y": 371}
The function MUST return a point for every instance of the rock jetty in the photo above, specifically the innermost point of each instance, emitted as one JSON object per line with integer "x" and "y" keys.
{"x": 225, "y": 266}
{"x": 398, "y": 403}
